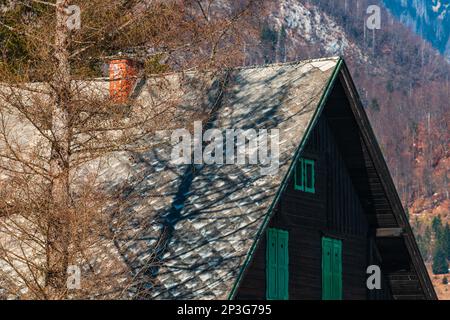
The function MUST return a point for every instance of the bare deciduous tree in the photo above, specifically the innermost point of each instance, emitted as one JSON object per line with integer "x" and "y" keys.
{"x": 56, "y": 121}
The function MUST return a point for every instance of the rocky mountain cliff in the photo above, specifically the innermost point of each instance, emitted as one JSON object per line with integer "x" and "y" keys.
{"x": 429, "y": 18}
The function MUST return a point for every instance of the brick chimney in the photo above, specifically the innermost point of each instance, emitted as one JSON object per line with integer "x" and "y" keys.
{"x": 122, "y": 78}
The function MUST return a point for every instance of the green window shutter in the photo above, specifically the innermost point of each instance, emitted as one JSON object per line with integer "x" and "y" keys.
{"x": 299, "y": 178}
{"x": 271, "y": 265}
{"x": 327, "y": 273}
{"x": 283, "y": 265}
{"x": 277, "y": 264}
{"x": 309, "y": 175}
{"x": 331, "y": 269}
{"x": 337, "y": 270}
{"x": 304, "y": 177}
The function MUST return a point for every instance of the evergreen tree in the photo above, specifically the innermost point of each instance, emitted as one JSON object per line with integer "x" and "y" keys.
{"x": 446, "y": 240}
{"x": 425, "y": 243}
{"x": 15, "y": 52}
{"x": 436, "y": 225}
{"x": 416, "y": 224}
{"x": 423, "y": 247}
{"x": 440, "y": 265}
{"x": 282, "y": 44}
{"x": 375, "y": 105}
{"x": 427, "y": 234}
{"x": 269, "y": 41}
{"x": 390, "y": 86}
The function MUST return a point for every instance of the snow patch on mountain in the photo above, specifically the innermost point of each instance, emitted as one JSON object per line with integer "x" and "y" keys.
{"x": 436, "y": 5}
{"x": 310, "y": 25}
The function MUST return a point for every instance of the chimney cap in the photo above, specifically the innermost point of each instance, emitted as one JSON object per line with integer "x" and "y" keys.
{"x": 119, "y": 56}
{"x": 132, "y": 54}
{"x": 138, "y": 54}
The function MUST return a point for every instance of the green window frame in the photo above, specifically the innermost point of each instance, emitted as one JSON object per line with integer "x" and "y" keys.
{"x": 305, "y": 177}
{"x": 331, "y": 269}
{"x": 277, "y": 264}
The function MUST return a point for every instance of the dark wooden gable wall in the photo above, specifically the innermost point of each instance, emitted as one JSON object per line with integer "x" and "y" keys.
{"x": 334, "y": 210}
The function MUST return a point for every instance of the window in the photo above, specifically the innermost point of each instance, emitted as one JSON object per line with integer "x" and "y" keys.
{"x": 331, "y": 269}
{"x": 277, "y": 265}
{"x": 304, "y": 178}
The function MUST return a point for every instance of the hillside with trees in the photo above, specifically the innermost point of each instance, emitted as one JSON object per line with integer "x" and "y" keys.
{"x": 404, "y": 85}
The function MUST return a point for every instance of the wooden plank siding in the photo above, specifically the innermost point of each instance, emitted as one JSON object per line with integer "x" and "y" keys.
{"x": 354, "y": 197}
{"x": 334, "y": 210}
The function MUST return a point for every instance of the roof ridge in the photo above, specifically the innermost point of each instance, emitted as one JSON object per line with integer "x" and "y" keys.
{"x": 255, "y": 66}
{"x": 277, "y": 64}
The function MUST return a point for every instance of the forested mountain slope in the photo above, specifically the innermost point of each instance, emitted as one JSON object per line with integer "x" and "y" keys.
{"x": 403, "y": 82}
{"x": 428, "y": 18}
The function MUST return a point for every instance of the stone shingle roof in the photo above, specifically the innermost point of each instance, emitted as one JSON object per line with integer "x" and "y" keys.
{"x": 200, "y": 221}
